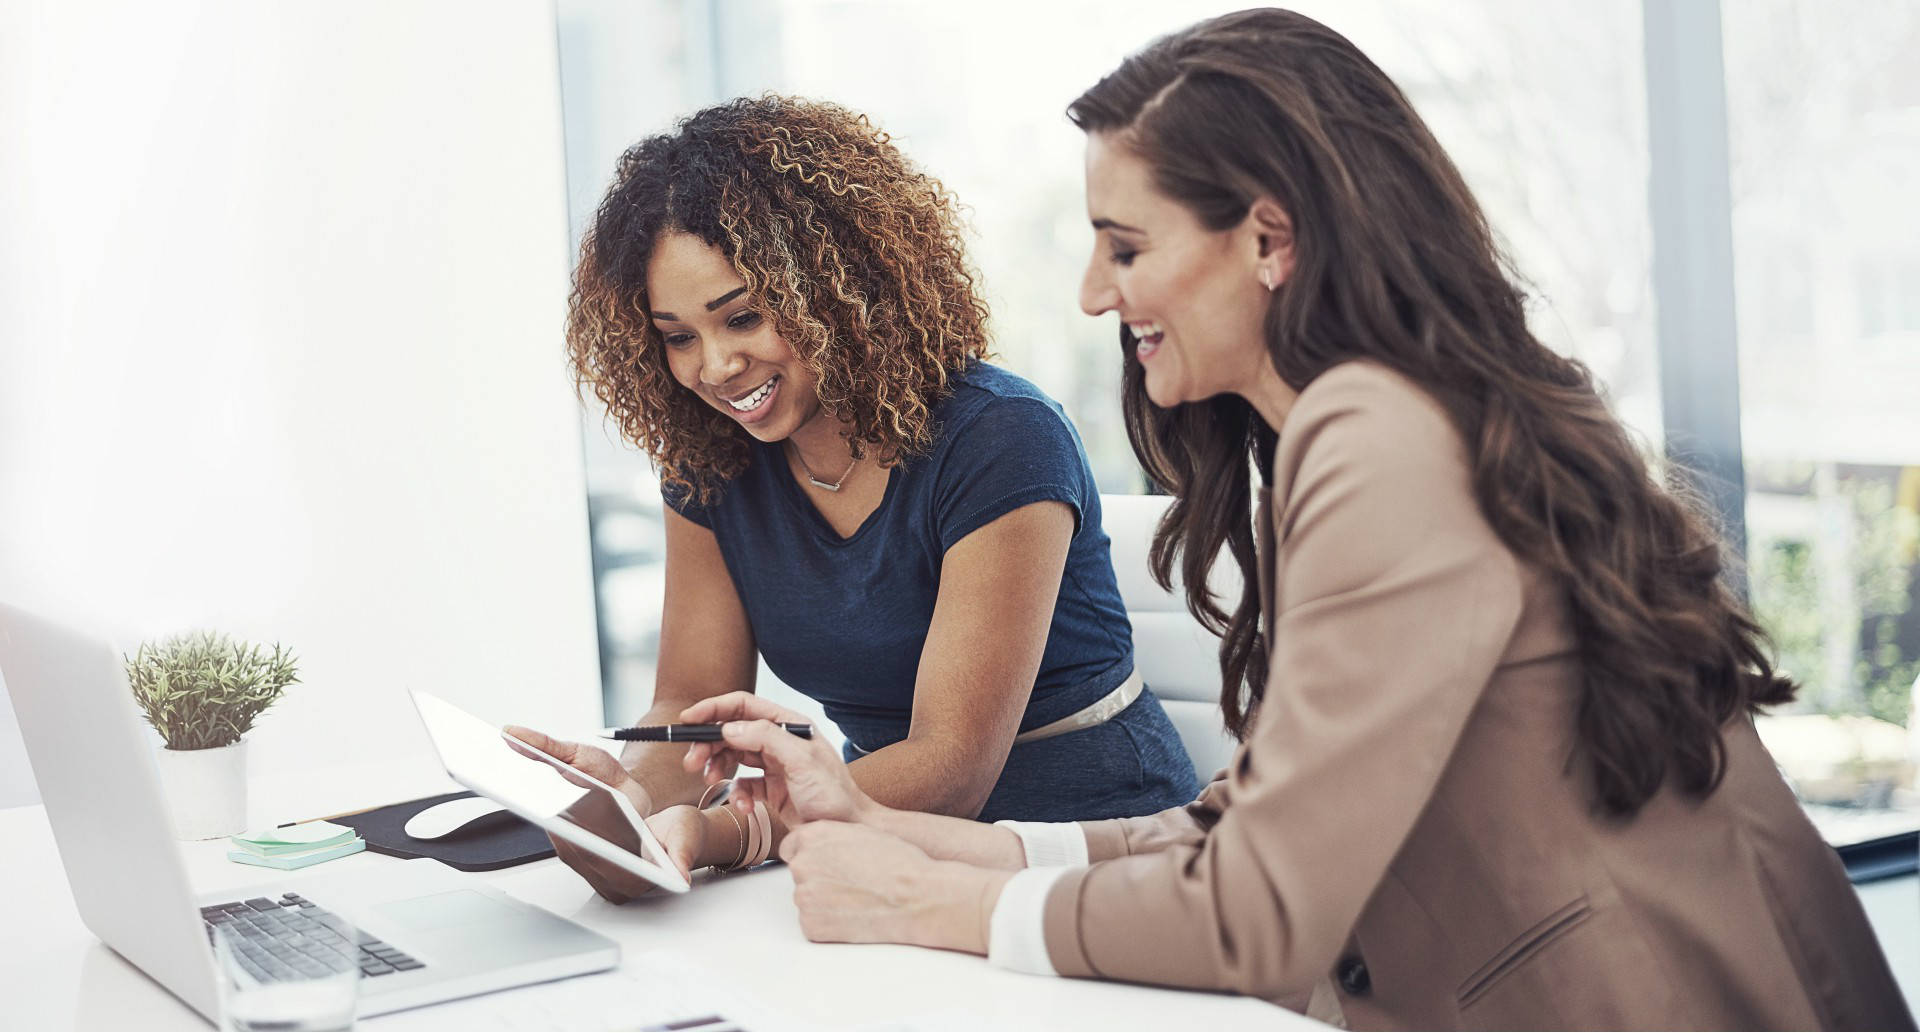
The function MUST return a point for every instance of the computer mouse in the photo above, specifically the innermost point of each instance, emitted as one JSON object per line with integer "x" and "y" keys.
{"x": 446, "y": 818}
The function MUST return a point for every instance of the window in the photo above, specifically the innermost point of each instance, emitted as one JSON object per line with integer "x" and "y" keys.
{"x": 1823, "y": 116}
{"x": 977, "y": 94}
{"x": 1544, "y": 107}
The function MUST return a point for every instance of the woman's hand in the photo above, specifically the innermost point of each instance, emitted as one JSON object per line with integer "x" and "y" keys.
{"x": 682, "y": 833}
{"x": 854, "y": 884}
{"x": 805, "y": 778}
{"x": 597, "y": 812}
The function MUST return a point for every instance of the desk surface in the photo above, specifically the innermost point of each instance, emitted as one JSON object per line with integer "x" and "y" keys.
{"x": 736, "y": 930}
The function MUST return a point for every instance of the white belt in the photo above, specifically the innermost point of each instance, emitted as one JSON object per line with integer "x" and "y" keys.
{"x": 1098, "y": 712}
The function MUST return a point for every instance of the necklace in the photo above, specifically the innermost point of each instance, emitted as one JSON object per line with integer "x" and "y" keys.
{"x": 817, "y": 482}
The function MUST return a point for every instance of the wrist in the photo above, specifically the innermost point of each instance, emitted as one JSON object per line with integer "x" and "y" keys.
{"x": 638, "y": 796}
{"x": 876, "y": 815}
{"x": 964, "y": 898}
{"x": 722, "y": 837}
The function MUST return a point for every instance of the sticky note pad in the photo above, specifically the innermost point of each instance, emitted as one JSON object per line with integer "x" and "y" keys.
{"x": 310, "y": 835}
{"x": 298, "y": 859}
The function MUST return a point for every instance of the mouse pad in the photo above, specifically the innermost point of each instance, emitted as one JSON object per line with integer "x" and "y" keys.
{"x": 499, "y": 840}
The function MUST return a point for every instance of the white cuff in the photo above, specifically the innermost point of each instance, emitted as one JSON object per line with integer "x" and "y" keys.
{"x": 1050, "y": 844}
{"x": 1017, "y": 933}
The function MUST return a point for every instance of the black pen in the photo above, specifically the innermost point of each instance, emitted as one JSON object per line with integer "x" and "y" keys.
{"x": 685, "y": 733}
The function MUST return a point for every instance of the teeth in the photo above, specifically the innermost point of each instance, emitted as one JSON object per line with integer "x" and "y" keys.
{"x": 754, "y": 400}
{"x": 1144, "y": 331}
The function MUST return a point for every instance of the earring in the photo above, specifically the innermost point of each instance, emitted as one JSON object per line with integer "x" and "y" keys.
{"x": 1266, "y": 278}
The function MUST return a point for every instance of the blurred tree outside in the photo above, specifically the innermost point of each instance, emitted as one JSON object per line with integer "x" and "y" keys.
{"x": 1843, "y": 642}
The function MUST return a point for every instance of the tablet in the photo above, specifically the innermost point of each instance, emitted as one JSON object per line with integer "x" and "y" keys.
{"x": 531, "y": 784}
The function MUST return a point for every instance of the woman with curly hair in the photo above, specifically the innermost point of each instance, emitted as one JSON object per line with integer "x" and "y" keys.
{"x": 773, "y": 304}
{"x": 1498, "y": 768}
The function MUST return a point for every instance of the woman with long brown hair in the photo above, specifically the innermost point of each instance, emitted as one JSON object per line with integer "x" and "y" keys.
{"x": 773, "y": 303}
{"x": 1497, "y": 765}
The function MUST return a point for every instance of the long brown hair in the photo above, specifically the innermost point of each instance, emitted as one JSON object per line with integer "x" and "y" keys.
{"x": 854, "y": 253}
{"x": 1395, "y": 262}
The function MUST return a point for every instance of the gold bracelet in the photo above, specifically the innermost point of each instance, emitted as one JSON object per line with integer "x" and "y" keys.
{"x": 743, "y": 841}
{"x": 725, "y": 786}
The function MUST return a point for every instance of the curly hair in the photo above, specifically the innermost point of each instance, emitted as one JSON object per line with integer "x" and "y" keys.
{"x": 852, "y": 252}
{"x": 1397, "y": 264}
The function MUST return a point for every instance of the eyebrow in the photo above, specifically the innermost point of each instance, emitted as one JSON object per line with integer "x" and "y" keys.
{"x": 711, "y": 305}
{"x": 1109, "y": 224}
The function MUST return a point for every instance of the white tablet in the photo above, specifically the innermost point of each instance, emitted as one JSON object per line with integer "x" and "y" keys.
{"x": 479, "y": 756}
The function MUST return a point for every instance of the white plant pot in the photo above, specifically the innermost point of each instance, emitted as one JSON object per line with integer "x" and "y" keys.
{"x": 206, "y": 790}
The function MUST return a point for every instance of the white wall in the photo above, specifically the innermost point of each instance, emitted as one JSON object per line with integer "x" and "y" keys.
{"x": 281, "y": 300}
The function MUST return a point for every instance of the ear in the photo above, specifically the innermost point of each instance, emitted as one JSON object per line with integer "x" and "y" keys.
{"x": 1272, "y": 229}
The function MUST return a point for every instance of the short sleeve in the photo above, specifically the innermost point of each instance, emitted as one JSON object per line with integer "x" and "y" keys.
{"x": 680, "y": 500}
{"x": 1011, "y": 453}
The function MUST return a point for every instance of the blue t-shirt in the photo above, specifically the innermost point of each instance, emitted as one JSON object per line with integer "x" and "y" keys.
{"x": 844, "y": 620}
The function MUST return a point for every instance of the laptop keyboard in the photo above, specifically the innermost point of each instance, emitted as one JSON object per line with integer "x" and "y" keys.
{"x": 291, "y": 938}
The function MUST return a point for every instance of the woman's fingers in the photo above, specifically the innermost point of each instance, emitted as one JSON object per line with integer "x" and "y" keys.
{"x": 679, "y": 832}
{"x": 599, "y": 763}
{"x": 724, "y": 763}
{"x": 712, "y": 759}
{"x": 759, "y": 741}
{"x": 526, "y": 749}
{"x": 589, "y": 760}
{"x": 538, "y": 740}
{"x": 745, "y": 791}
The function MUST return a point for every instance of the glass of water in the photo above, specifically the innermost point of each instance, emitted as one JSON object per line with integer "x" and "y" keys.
{"x": 287, "y": 969}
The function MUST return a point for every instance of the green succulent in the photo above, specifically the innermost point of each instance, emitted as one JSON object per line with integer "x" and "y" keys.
{"x": 203, "y": 690}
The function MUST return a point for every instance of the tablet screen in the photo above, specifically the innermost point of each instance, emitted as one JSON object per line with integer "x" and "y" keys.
{"x": 548, "y": 792}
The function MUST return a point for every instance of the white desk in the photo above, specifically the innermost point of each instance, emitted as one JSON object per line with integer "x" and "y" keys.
{"x": 55, "y": 975}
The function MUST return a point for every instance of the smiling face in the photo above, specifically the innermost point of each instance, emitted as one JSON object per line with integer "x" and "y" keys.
{"x": 720, "y": 346}
{"x": 1192, "y": 297}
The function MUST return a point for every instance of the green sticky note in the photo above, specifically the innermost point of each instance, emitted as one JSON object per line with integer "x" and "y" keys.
{"x": 300, "y": 858}
{"x": 305, "y": 836}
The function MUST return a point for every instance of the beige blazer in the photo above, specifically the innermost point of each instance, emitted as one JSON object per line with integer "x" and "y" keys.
{"x": 1403, "y": 822}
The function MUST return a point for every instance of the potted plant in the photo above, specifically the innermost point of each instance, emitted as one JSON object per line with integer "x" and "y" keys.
{"x": 201, "y": 692}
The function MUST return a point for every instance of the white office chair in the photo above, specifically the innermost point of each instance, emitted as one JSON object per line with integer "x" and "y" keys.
{"x": 1179, "y": 659}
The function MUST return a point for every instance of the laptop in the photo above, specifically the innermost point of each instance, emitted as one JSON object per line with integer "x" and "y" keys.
{"x": 427, "y": 933}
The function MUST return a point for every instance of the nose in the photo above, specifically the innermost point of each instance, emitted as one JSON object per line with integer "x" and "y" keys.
{"x": 1098, "y": 293}
{"x": 720, "y": 361}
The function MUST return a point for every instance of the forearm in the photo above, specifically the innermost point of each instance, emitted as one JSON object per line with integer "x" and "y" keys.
{"x": 947, "y": 838}
{"x": 882, "y": 779}
{"x": 925, "y": 775}
{"x": 942, "y": 837}
{"x": 929, "y": 804}
{"x": 953, "y": 908}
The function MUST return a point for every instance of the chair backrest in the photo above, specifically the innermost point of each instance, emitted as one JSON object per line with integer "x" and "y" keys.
{"x": 1178, "y": 659}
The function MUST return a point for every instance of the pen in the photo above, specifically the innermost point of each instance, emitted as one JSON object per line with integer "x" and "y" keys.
{"x": 685, "y": 733}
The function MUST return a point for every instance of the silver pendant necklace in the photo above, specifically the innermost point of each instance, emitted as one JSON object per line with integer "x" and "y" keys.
{"x": 817, "y": 482}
